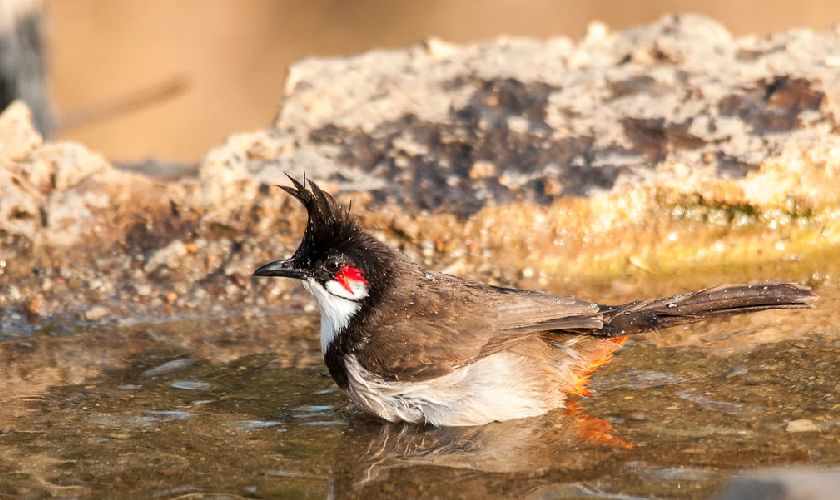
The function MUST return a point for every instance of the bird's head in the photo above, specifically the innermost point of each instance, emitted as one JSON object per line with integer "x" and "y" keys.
{"x": 341, "y": 265}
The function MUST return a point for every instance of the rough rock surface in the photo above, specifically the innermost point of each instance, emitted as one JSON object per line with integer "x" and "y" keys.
{"x": 442, "y": 127}
{"x": 512, "y": 159}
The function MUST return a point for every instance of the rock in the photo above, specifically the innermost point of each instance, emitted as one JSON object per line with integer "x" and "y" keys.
{"x": 96, "y": 313}
{"x": 226, "y": 182}
{"x": 169, "y": 367}
{"x": 168, "y": 256}
{"x": 36, "y": 306}
{"x": 62, "y": 165}
{"x": 190, "y": 385}
{"x": 19, "y": 206}
{"x": 801, "y": 425}
{"x": 482, "y": 170}
{"x": 698, "y": 106}
{"x": 61, "y": 194}
{"x": 18, "y": 136}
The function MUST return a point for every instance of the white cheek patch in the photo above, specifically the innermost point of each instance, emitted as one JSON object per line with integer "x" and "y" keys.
{"x": 355, "y": 289}
{"x": 336, "y": 311}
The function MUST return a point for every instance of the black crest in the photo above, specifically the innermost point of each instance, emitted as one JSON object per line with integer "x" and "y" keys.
{"x": 331, "y": 229}
{"x": 329, "y": 225}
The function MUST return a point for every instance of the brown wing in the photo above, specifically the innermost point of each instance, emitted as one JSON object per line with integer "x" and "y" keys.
{"x": 457, "y": 321}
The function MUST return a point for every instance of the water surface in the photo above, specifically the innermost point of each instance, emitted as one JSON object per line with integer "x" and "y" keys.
{"x": 244, "y": 408}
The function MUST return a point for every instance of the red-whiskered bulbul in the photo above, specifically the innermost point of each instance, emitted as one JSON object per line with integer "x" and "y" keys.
{"x": 408, "y": 344}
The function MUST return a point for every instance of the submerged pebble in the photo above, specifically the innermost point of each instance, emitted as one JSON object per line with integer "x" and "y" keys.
{"x": 169, "y": 414}
{"x": 168, "y": 367}
{"x": 258, "y": 424}
{"x": 315, "y": 408}
{"x": 96, "y": 313}
{"x": 190, "y": 385}
{"x": 736, "y": 372}
{"x": 709, "y": 403}
{"x": 801, "y": 425}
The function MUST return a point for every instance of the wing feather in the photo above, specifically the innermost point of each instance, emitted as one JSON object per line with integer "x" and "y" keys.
{"x": 455, "y": 322}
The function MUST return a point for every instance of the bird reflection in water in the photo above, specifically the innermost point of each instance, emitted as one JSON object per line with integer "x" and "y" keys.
{"x": 565, "y": 442}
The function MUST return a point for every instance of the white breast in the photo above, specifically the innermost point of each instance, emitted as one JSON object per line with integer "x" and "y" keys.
{"x": 491, "y": 389}
{"x": 336, "y": 311}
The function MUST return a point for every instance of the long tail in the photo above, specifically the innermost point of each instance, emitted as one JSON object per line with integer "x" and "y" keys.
{"x": 646, "y": 315}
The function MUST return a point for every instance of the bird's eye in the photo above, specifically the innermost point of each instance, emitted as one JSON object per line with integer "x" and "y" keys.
{"x": 333, "y": 264}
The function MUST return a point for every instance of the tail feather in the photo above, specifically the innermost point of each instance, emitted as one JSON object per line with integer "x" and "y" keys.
{"x": 646, "y": 315}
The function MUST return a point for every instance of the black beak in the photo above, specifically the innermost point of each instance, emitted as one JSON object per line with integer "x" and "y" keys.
{"x": 285, "y": 268}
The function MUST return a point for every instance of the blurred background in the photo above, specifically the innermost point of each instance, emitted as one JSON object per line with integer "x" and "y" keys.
{"x": 140, "y": 80}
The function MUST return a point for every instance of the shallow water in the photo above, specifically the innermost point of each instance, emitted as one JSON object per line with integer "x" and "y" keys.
{"x": 244, "y": 407}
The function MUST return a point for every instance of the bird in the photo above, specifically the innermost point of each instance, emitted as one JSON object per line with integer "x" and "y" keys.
{"x": 408, "y": 344}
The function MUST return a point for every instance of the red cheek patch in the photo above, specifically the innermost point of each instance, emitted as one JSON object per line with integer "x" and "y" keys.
{"x": 348, "y": 274}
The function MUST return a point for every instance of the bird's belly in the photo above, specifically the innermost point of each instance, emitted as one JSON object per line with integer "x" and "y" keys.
{"x": 493, "y": 388}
